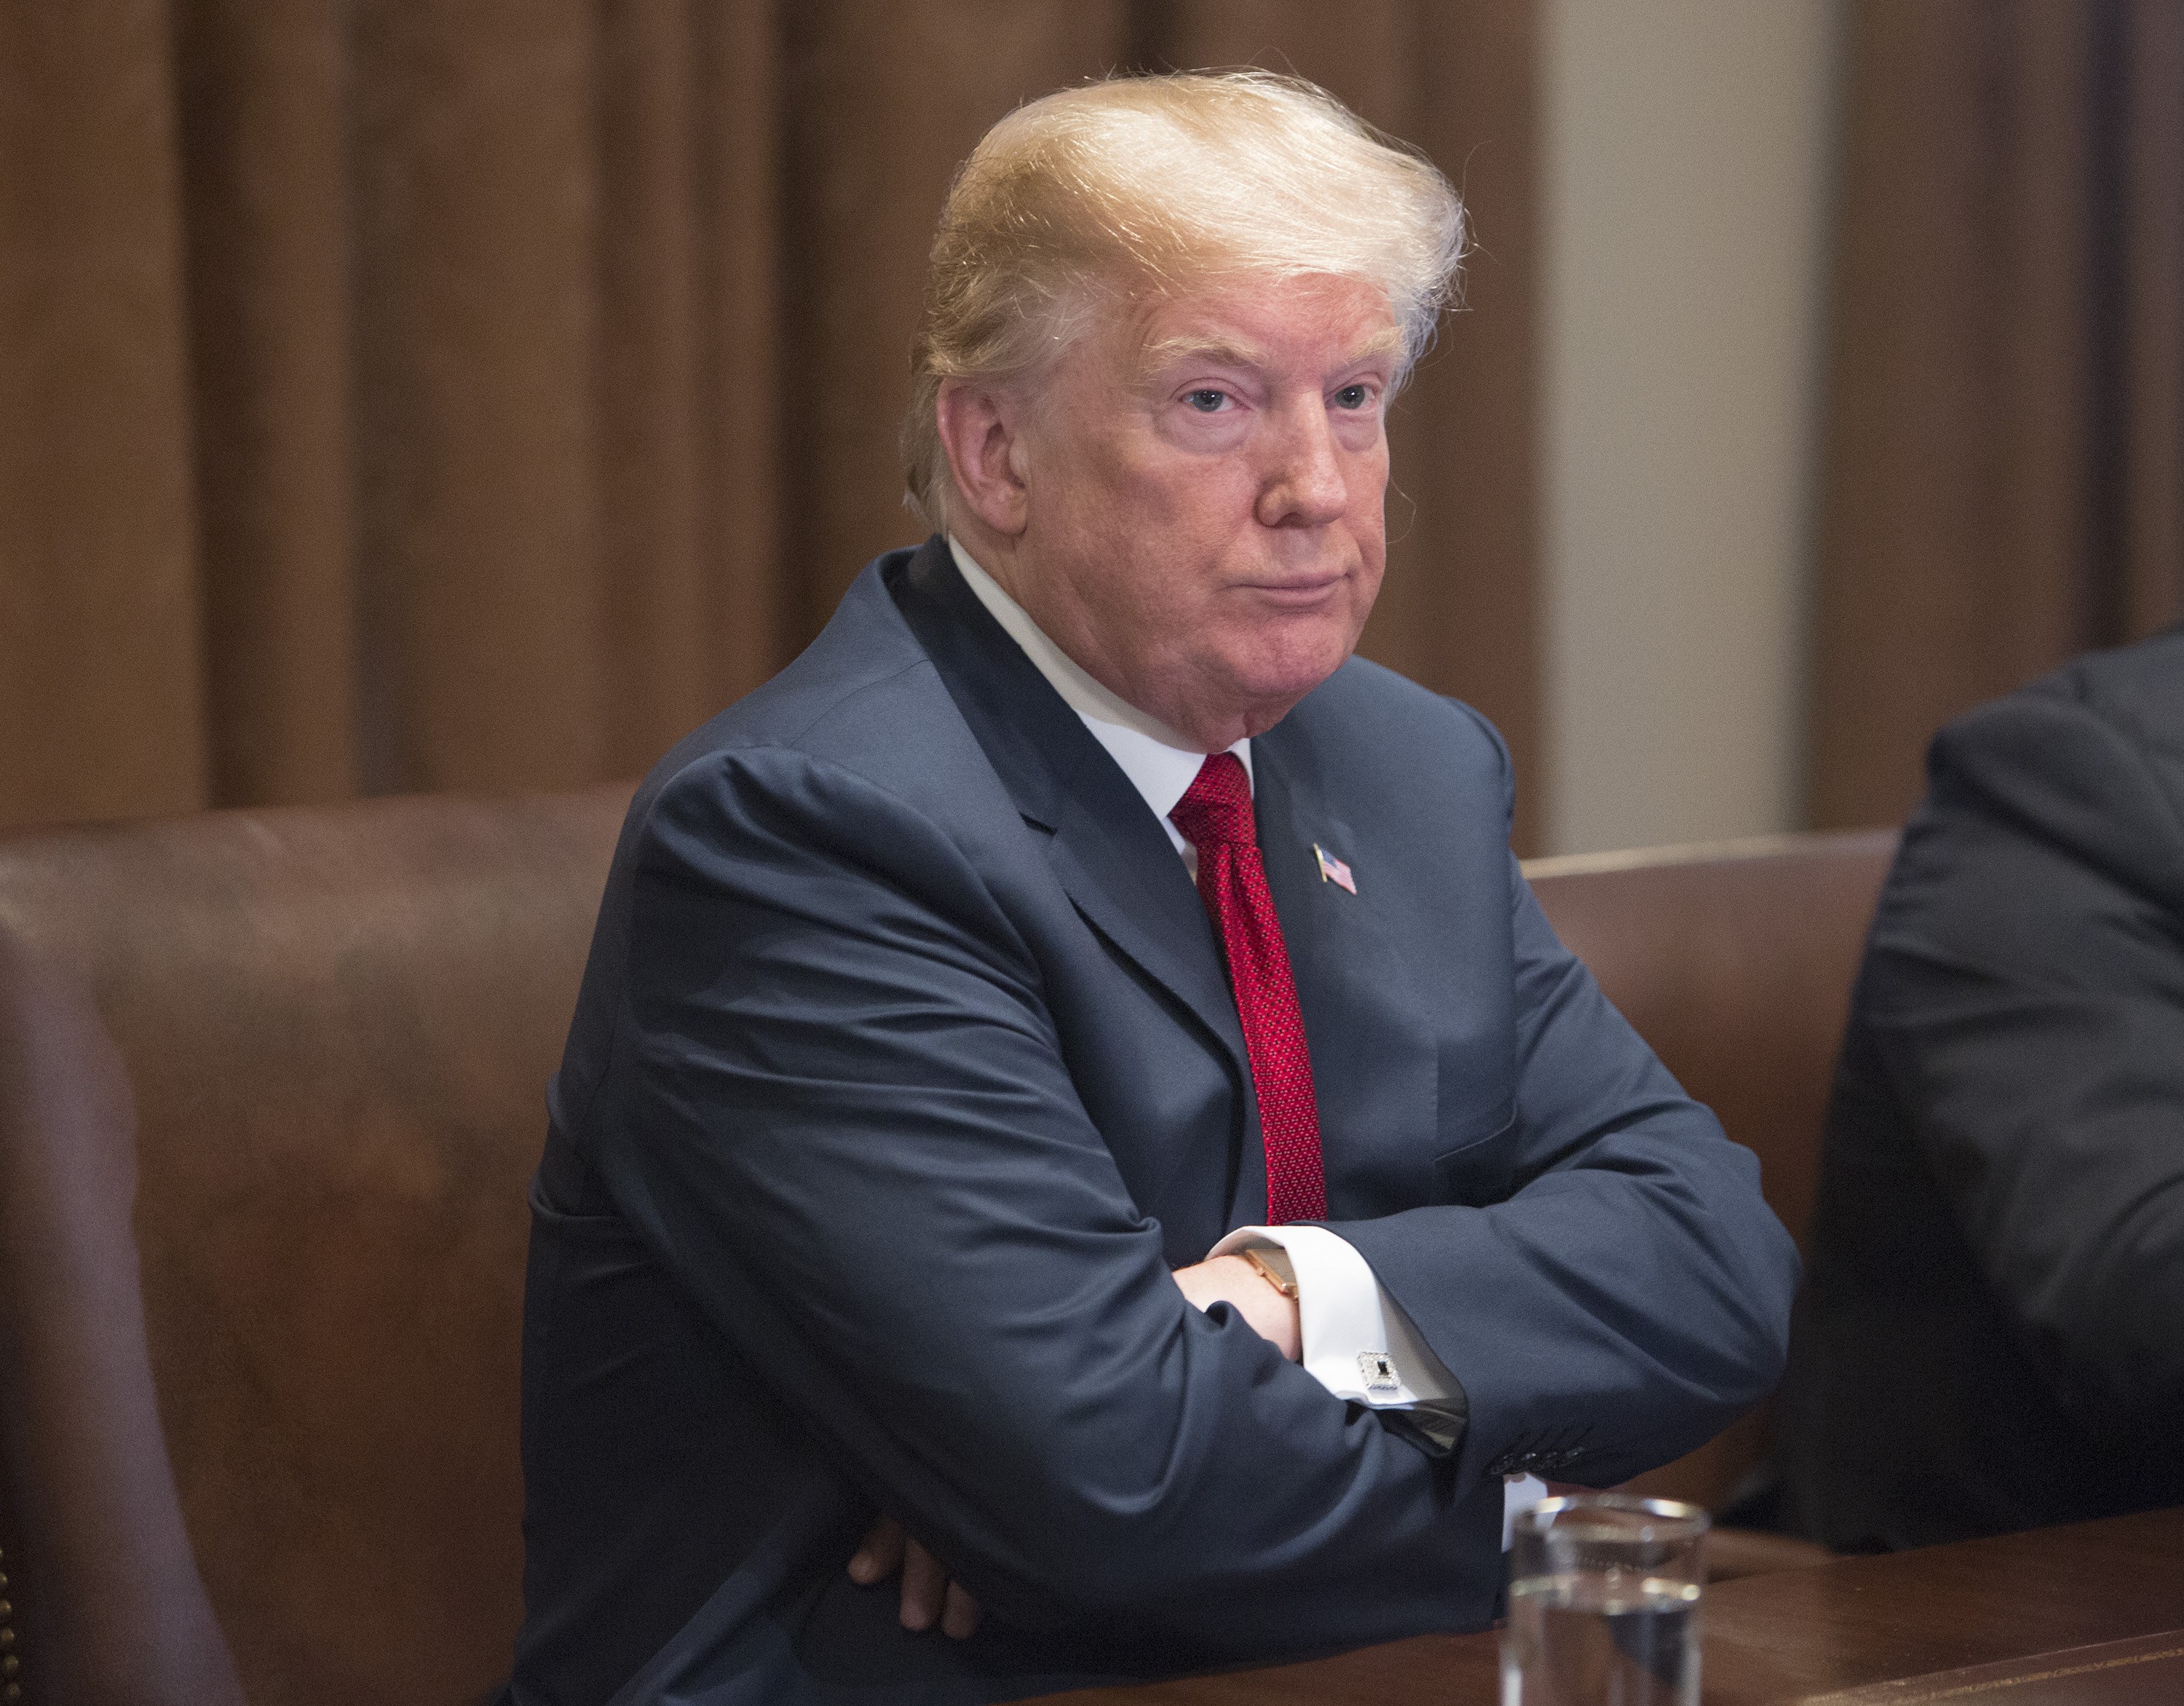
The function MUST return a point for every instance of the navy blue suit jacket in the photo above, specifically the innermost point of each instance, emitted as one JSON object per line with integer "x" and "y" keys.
{"x": 906, "y": 1070}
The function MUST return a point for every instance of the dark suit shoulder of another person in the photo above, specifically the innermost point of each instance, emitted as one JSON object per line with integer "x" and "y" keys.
{"x": 1992, "y": 1335}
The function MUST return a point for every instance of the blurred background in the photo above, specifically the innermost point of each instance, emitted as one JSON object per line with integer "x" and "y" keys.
{"x": 403, "y": 395}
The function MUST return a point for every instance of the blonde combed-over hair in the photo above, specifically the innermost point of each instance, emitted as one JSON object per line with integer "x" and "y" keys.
{"x": 1098, "y": 196}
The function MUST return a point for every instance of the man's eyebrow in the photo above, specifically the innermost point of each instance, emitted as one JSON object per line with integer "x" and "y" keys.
{"x": 1218, "y": 352}
{"x": 1221, "y": 352}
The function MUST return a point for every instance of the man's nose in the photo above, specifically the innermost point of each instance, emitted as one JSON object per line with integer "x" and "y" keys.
{"x": 1305, "y": 485}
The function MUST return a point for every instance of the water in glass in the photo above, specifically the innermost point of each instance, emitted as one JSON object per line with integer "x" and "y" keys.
{"x": 1601, "y": 1640}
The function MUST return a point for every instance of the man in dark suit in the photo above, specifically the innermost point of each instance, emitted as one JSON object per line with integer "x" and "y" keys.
{"x": 1072, "y": 1105}
{"x": 1992, "y": 1337}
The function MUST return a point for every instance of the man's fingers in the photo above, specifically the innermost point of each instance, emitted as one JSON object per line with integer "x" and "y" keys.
{"x": 924, "y": 1587}
{"x": 929, "y": 1597}
{"x": 879, "y": 1554}
{"x": 960, "y": 1617}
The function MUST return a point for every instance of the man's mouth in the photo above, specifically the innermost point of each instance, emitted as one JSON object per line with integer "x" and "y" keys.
{"x": 1301, "y": 590}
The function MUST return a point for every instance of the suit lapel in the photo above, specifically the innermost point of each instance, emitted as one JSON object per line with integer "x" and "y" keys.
{"x": 1108, "y": 850}
{"x": 1133, "y": 889}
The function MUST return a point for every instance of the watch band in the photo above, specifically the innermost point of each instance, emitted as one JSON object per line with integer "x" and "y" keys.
{"x": 1267, "y": 1272}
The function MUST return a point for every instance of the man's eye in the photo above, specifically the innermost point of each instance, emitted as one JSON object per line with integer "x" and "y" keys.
{"x": 1353, "y": 397}
{"x": 1206, "y": 399}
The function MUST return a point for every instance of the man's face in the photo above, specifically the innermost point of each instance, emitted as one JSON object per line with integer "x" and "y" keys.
{"x": 1202, "y": 483}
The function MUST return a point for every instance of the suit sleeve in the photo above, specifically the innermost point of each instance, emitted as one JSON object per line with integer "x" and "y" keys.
{"x": 2024, "y": 989}
{"x": 837, "y": 1107}
{"x": 1631, "y": 1295}
{"x": 1623, "y": 1293}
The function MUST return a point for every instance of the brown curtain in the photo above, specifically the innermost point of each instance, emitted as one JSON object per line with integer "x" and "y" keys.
{"x": 102, "y": 674}
{"x": 401, "y": 395}
{"x": 2005, "y": 475}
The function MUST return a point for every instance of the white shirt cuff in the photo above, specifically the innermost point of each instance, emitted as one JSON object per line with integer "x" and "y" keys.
{"x": 1519, "y": 1493}
{"x": 1357, "y": 1340}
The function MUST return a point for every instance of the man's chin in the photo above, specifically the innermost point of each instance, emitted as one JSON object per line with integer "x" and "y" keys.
{"x": 1270, "y": 693}
{"x": 1294, "y": 657}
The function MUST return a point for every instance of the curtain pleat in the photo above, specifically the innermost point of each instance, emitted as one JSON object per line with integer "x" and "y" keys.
{"x": 400, "y": 394}
{"x": 477, "y": 189}
{"x": 101, "y": 682}
{"x": 2002, "y": 475}
{"x": 744, "y": 379}
{"x": 266, "y": 200}
{"x": 2153, "y": 532}
{"x": 652, "y": 610}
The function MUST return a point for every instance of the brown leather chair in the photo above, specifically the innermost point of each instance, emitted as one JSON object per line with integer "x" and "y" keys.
{"x": 98, "y": 1583}
{"x": 339, "y": 1023}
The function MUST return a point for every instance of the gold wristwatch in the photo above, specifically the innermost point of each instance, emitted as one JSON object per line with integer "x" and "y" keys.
{"x": 1270, "y": 1273}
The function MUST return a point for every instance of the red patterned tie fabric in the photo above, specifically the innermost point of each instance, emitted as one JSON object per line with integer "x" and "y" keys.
{"x": 1215, "y": 816}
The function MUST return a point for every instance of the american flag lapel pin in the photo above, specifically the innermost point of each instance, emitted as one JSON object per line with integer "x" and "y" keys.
{"x": 1333, "y": 870}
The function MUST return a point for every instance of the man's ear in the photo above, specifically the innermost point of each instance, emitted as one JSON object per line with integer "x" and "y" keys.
{"x": 979, "y": 424}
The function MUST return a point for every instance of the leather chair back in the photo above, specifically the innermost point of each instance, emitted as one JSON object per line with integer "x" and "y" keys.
{"x": 101, "y": 1604}
{"x": 1735, "y": 961}
{"x": 338, "y": 1024}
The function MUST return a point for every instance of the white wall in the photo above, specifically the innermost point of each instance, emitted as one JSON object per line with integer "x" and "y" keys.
{"x": 1687, "y": 160}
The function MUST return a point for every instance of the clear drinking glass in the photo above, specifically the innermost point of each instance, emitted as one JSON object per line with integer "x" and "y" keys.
{"x": 1604, "y": 1596}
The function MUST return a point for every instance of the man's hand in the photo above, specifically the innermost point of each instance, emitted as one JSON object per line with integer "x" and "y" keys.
{"x": 1234, "y": 1281}
{"x": 926, "y": 1592}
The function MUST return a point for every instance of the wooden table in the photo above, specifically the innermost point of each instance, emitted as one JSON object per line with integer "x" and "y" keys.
{"x": 1801, "y": 1634}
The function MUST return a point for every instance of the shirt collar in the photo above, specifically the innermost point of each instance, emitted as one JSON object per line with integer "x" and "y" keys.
{"x": 1160, "y": 763}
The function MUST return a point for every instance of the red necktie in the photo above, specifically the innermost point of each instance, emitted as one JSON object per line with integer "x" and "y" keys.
{"x": 1215, "y": 816}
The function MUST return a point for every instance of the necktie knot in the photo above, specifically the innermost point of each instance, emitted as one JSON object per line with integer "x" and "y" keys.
{"x": 1216, "y": 806}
